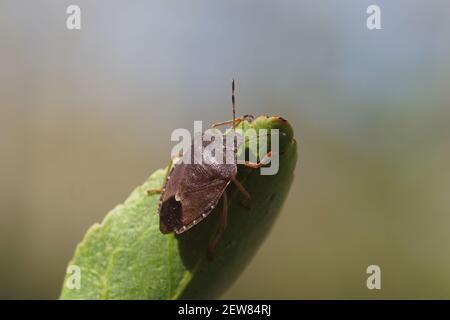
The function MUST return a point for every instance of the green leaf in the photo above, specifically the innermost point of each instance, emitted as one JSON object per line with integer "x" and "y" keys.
{"x": 126, "y": 256}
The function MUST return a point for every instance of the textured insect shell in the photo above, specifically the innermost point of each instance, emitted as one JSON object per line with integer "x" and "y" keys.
{"x": 192, "y": 190}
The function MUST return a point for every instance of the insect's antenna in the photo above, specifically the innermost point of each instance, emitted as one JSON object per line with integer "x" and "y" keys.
{"x": 233, "y": 102}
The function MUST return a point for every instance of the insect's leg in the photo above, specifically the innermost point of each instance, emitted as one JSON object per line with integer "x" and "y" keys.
{"x": 222, "y": 226}
{"x": 154, "y": 191}
{"x": 236, "y": 121}
{"x": 243, "y": 201}
{"x": 262, "y": 162}
{"x": 241, "y": 188}
{"x": 159, "y": 190}
{"x": 224, "y": 123}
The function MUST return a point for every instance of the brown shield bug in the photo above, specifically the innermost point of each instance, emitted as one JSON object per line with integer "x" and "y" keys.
{"x": 191, "y": 191}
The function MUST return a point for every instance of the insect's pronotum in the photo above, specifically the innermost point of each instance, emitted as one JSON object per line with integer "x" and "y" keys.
{"x": 191, "y": 191}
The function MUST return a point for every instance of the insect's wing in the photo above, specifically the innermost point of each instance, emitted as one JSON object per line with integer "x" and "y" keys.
{"x": 191, "y": 193}
{"x": 199, "y": 194}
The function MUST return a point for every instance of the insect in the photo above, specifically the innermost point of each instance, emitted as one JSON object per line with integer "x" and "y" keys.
{"x": 191, "y": 191}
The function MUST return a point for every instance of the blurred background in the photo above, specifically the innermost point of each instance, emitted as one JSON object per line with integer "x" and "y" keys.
{"x": 86, "y": 116}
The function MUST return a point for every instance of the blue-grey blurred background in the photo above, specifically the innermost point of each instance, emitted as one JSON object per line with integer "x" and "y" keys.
{"x": 85, "y": 116}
